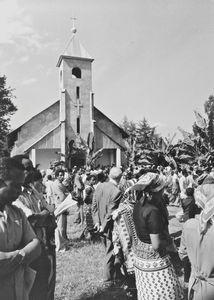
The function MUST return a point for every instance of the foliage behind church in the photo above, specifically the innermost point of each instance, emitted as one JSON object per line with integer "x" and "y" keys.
{"x": 7, "y": 109}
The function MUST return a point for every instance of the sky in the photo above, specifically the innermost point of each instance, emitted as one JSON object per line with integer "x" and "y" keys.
{"x": 152, "y": 58}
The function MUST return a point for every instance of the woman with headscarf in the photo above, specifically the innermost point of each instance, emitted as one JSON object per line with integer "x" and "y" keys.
{"x": 155, "y": 274}
{"x": 197, "y": 244}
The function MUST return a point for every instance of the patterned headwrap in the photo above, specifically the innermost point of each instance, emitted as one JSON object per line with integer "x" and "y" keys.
{"x": 204, "y": 198}
{"x": 151, "y": 181}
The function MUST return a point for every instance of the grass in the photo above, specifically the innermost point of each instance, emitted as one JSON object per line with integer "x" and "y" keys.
{"x": 80, "y": 269}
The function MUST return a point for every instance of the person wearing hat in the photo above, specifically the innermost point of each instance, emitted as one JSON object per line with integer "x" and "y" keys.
{"x": 197, "y": 244}
{"x": 154, "y": 272}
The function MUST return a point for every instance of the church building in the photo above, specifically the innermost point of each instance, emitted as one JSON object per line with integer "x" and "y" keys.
{"x": 72, "y": 128}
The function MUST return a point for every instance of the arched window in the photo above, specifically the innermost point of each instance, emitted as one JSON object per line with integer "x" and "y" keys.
{"x": 76, "y": 73}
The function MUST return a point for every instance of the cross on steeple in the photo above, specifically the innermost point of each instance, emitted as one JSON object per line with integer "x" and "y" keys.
{"x": 78, "y": 105}
{"x": 73, "y": 21}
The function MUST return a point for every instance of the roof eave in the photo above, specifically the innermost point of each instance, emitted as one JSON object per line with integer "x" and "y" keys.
{"x": 123, "y": 132}
{"x": 72, "y": 57}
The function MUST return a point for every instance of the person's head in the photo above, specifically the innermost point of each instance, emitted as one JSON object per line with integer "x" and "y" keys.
{"x": 160, "y": 169}
{"x": 74, "y": 169}
{"x": 28, "y": 167}
{"x": 191, "y": 169}
{"x": 79, "y": 171}
{"x": 129, "y": 175}
{"x": 204, "y": 199}
{"x": 37, "y": 181}
{"x": 92, "y": 179}
{"x": 37, "y": 176}
{"x": 185, "y": 173}
{"x": 11, "y": 180}
{"x": 152, "y": 185}
{"x": 59, "y": 175}
{"x": 43, "y": 173}
{"x": 115, "y": 174}
{"x": 195, "y": 168}
{"x": 190, "y": 191}
{"x": 49, "y": 177}
{"x": 101, "y": 177}
{"x": 212, "y": 172}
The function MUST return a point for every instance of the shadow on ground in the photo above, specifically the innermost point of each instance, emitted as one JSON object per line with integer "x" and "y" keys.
{"x": 111, "y": 293}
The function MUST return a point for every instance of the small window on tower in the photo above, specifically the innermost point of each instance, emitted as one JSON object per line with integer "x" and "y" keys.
{"x": 78, "y": 92}
{"x": 78, "y": 125}
{"x": 60, "y": 78}
{"x": 76, "y": 73}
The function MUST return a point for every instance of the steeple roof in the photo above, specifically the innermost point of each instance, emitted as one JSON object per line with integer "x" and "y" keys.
{"x": 75, "y": 49}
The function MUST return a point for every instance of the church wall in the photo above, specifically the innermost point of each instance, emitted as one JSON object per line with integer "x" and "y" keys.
{"x": 124, "y": 161}
{"x": 109, "y": 128}
{"x": 108, "y": 158}
{"x": 45, "y": 156}
{"x": 102, "y": 141}
{"x": 35, "y": 128}
{"x": 52, "y": 140}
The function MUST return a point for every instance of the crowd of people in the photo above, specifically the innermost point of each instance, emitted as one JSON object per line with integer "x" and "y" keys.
{"x": 126, "y": 209}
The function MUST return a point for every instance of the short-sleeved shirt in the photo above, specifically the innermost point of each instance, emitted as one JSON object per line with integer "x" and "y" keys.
{"x": 15, "y": 230}
{"x": 148, "y": 220}
{"x": 59, "y": 192}
{"x": 15, "y": 233}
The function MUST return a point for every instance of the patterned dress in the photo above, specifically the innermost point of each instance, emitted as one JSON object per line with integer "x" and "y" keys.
{"x": 87, "y": 208}
{"x": 122, "y": 234}
{"x": 155, "y": 275}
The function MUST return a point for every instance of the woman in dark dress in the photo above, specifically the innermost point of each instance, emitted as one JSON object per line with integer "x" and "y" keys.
{"x": 155, "y": 275}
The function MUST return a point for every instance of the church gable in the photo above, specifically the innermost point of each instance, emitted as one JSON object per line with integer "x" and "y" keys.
{"x": 107, "y": 133}
{"x": 49, "y": 141}
{"x": 104, "y": 141}
{"x": 38, "y": 126}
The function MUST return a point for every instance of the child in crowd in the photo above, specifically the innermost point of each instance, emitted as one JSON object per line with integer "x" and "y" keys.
{"x": 189, "y": 208}
{"x": 188, "y": 205}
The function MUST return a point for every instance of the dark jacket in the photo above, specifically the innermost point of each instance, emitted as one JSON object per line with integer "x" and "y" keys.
{"x": 106, "y": 199}
{"x": 189, "y": 208}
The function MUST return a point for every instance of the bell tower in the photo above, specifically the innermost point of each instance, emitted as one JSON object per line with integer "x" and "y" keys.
{"x": 76, "y": 96}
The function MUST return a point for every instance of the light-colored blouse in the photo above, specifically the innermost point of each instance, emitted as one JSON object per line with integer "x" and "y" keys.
{"x": 15, "y": 233}
{"x": 200, "y": 249}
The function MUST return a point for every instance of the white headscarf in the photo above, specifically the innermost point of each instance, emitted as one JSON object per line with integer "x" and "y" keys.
{"x": 204, "y": 198}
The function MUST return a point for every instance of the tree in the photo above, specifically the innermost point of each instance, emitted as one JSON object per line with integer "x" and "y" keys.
{"x": 146, "y": 135}
{"x": 209, "y": 110}
{"x": 198, "y": 148}
{"x": 143, "y": 141}
{"x": 130, "y": 128}
{"x": 7, "y": 109}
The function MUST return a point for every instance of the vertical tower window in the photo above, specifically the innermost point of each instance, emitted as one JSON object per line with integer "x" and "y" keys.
{"x": 76, "y": 73}
{"x": 78, "y": 125}
{"x": 78, "y": 92}
{"x": 60, "y": 79}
